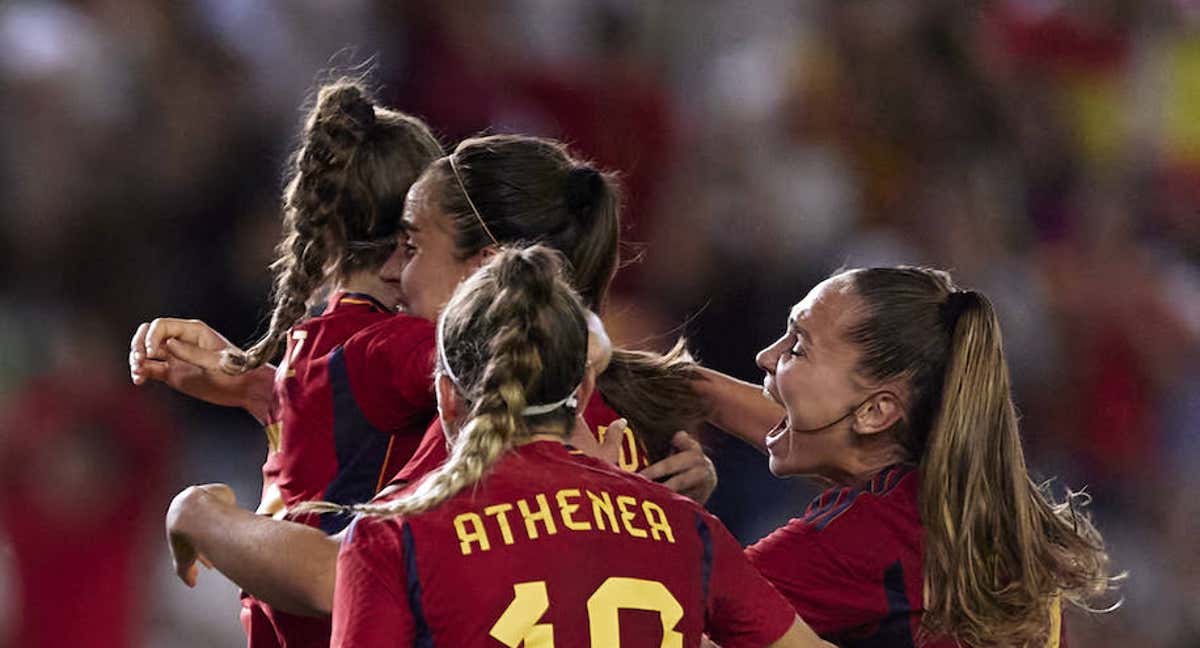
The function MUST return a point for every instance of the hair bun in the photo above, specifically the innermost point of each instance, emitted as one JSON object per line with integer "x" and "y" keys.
{"x": 346, "y": 108}
{"x": 584, "y": 187}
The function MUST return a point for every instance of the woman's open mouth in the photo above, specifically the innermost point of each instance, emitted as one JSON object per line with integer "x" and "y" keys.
{"x": 777, "y": 432}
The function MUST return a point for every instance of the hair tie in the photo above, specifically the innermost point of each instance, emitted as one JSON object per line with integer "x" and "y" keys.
{"x": 584, "y": 186}
{"x": 570, "y": 400}
{"x": 951, "y": 309}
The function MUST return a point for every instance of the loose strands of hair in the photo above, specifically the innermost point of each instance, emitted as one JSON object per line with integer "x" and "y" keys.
{"x": 342, "y": 203}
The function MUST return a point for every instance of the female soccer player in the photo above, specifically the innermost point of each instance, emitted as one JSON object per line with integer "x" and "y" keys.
{"x": 551, "y": 545}
{"x": 896, "y": 390}
{"x": 342, "y": 220}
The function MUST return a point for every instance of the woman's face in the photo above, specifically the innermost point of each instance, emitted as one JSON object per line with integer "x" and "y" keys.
{"x": 810, "y": 370}
{"x": 433, "y": 270}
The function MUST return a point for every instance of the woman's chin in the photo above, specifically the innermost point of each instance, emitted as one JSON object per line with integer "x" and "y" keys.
{"x": 779, "y": 466}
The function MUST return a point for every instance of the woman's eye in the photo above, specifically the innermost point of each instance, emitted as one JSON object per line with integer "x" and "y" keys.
{"x": 797, "y": 350}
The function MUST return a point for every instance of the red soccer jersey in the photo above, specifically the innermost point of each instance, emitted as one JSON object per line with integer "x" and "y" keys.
{"x": 301, "y": 410}
{"x": 853, "y": 565}
{"x": 552, "y": 547}
{"x": 324, "y": 447}
{"x": 433, "y": 451}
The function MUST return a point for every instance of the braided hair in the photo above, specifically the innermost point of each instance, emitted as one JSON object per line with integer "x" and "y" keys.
{"x": 342, "y": 203}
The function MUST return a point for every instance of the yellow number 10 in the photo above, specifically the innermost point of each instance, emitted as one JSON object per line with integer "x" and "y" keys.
{"x": 519, "y": 623}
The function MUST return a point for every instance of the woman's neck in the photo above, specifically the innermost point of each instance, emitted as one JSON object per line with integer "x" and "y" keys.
{"x": 862, "y": 466}
{"x": 364, "y": 283}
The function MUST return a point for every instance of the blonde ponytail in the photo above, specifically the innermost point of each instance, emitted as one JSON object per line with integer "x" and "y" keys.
{"x": 999, "y": 550}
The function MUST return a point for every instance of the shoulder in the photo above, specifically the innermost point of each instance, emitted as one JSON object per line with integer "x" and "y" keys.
{"x": 854, "y": 521}
{"x": 397, "y": 333}
{"x": 396, "y": 326}
{"x": 371, "y": 535}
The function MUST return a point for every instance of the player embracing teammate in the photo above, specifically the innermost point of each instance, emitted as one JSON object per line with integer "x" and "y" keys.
{"x": 889, "y": 382}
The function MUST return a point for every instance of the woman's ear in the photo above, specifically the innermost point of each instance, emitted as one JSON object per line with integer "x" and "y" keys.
{"x": 481, "y": 257}
{"x": 879, "y": 413}
{"x": 449, "y": 403}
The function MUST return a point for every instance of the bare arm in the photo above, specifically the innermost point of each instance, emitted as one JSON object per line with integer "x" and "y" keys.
{"x": 289, "y": 566}
{"x": 186, "y": 354}
{"x": 739, "y": 407}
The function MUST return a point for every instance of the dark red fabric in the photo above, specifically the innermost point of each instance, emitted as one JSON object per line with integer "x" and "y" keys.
{"x": 454, "y": 571}
{"x": 432, "y": 451}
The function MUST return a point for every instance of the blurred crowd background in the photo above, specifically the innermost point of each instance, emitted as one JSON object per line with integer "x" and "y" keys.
{"x": 1046, "y": 151}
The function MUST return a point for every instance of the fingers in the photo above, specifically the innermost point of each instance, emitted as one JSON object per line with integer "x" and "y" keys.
{"x": 149, "y": 370}
{"x": 190, "y": 331}
{"x": 137, "y": 348}
{"x": 689, "y": 471}
{"x": 614, "y": 437}
{"x": 673, "y": 464}
{"x": 692, "y": 480}
{"x": 685, "y": 442}
{"x": 203, "y": 358}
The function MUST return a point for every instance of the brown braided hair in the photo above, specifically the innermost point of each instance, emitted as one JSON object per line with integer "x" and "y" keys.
{"x": 342, "y": 203}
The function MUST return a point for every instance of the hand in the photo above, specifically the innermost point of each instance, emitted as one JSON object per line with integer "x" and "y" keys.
{"x": 179, "y": 516}
{"x": 186, "y": 355}
{"x": 688, "y": 472}
{"x": 610, "y": 451}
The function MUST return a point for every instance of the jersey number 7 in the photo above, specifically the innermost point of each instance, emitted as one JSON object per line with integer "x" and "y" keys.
{"x": 519, "y": 623}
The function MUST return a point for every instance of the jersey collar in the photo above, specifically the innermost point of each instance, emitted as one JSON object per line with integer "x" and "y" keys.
{"x": 344, "y": 299}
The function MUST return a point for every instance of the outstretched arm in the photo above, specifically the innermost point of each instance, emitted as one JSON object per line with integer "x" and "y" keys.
{"x": 185, "y": 354}
{"x": 739, "y": 407}
{"x": 287, "y": 565}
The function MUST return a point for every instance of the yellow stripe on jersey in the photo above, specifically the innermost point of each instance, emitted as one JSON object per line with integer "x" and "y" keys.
{"x": 274, "y": 435}
{"x": 351, "y": 300}
{"x": 1055, "y": 623}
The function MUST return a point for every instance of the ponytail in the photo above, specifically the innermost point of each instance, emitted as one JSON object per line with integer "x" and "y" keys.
{"x": 999, "y": 550}
{"x": 656, "y": 393}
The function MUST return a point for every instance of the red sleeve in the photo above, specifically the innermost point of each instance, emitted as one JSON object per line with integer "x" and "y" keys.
{"x": 428, "y": 456}
{"x": 390, "y": 368}
{"x": 370, "y": 602}
{"x": 743, "y": 608}
{"x": 816, "y": 578}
